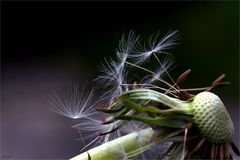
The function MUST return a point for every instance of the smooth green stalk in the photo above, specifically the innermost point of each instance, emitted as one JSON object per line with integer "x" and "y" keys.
{"x": 116, "y": 148}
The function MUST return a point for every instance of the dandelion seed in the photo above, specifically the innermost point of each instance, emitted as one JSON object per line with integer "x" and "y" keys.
{"x": 73, "y": 103}
{"x": 96, "y": 132}
{"x": 153, "y": 74}
{"x": 114, "y": 71}
{"x": 112, "y": 79}
{"x": 167, "y": 63}
{"x": 155, "y": 47}
{"x": 128, "y": 45}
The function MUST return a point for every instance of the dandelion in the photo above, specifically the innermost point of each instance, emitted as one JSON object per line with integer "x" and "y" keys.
{"x": 143, "y": 115}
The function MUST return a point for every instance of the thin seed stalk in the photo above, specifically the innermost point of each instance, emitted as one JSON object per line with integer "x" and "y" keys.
{"x": 118, "y": 147}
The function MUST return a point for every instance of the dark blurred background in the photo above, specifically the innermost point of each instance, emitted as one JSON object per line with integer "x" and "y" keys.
{"x": 48, "y": 45}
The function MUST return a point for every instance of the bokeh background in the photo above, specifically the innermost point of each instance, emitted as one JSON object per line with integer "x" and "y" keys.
{"x": 48, "y": 45}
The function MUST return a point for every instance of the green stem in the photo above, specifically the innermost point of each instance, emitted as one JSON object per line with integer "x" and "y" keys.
{"x": 118, "y": 147}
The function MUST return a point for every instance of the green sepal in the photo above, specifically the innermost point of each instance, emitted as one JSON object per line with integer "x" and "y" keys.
{"x": 150, "y": 95}
{"x": 163, "y": 121}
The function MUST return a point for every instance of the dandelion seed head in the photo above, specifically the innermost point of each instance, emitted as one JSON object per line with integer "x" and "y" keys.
{"x": 170, "y": 112}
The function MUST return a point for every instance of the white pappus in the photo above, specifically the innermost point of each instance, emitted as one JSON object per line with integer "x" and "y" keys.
{"x": 73, "y": 103}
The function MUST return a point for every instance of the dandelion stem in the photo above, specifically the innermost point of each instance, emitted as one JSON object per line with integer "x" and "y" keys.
{"x": 119, "y": 147}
